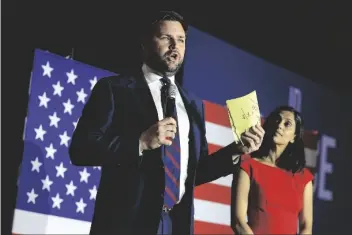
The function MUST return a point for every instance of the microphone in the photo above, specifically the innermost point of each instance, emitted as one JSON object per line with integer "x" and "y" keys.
{"x": 170, "y": 109}
{"x": 170, "y": 102}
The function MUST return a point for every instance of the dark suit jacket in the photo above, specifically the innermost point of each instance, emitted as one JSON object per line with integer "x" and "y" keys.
{"x": 130, "y": 194}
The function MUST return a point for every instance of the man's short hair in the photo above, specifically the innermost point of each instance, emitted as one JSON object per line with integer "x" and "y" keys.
{"x": 157, "y": 17}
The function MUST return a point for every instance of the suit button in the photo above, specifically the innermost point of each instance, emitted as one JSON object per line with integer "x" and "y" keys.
{"x": 162, "y": 195}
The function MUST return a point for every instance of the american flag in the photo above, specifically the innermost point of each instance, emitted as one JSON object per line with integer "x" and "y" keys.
{"x": 55, "y": 197}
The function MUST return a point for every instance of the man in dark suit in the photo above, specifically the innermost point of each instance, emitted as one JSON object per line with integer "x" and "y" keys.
{"x": 150, "y": 163}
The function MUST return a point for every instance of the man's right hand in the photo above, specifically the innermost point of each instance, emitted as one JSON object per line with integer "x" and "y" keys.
{"x": 163, "y": 132}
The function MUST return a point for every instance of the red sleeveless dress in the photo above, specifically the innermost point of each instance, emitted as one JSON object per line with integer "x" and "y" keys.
{"x": 275, "y": 197}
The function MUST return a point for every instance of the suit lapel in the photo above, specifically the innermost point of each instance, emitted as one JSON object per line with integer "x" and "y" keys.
{"x": 195, "y": 121}
{"x": 142, "y": 100}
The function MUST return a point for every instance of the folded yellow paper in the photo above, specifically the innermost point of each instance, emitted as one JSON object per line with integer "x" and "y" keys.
{"x": 243, "y": 113}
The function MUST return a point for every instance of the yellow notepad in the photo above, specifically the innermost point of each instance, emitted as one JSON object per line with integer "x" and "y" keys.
{"x": 243, "y": 113}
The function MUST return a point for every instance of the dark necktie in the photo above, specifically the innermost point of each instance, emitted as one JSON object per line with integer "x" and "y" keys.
{"x": 171, "y": 156}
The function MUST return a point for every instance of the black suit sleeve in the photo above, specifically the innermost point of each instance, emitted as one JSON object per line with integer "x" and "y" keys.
{"x": 216, "y": 165}
{"x": 98, "y": 139}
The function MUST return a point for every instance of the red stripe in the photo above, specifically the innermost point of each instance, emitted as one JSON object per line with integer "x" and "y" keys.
{"x": 171, "y": 176}
{"x": 210, "y": 228}
{"x": 172, "y": 159}
{"x": 214, "y": 193}
{"x": 170, "y": 193}
{"x": 216, "y": 113}
{"x": 212, "y": 148}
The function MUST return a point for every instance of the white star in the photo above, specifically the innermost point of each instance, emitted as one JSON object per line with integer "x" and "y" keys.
{"x": 75, "y": 123}
{"x": 84, "y": 175}
{"x": 57, "y": 201}
{"x": 81, "y": 96}
{"x": 71, "y": 188}
{"x": 93, "y": 193}
{"x": 36, "y": 165}
{"x": 80, "y": 206}
{"x": 54, "y": 120}
{"x": 64, "y": 139}
{"x": 93, "y": 82}
{"x": 47, "y": 183}
{"x": 71, "y": 77}
{"x": 40, "y": 132}
{"x": 68, "y": 107}
{"x": 31, "y": 196}
{"x": 60, "y": 170}
{"x": 43, "y": 100}
{"x": 97, "y": 167}
{"x": 58, "y": 89}
{"x": 47, "y": 69}
{"x": 50, "y": 151}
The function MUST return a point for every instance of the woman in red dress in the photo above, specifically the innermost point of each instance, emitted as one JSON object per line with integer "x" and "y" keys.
{"x": 273, "y": 187}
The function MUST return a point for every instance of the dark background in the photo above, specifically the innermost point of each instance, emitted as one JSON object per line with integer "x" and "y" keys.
{"x": 311, "y": 39}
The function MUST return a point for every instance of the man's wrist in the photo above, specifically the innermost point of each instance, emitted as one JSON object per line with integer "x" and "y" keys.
{"x": 238, "y": 148}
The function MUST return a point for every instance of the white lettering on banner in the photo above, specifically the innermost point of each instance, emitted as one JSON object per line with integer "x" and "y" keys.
{"x": 325, "y": 167}
{"x": 295, "y": 98}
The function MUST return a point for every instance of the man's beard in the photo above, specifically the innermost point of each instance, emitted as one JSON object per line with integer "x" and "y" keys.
{"x": 160, "y": 64}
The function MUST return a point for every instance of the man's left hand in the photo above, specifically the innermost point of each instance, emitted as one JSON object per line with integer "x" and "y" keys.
{"x": 252, "y": 139}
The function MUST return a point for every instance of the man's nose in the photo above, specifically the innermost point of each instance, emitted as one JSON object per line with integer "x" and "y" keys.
{"x": 172, "y": 46}
{"x": 173, "y": 43}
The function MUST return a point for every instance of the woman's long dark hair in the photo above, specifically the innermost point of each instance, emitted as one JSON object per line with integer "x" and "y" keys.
{"x": 293, "y": 157}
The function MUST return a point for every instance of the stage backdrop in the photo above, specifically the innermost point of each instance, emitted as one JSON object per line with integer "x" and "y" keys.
{"x": 55, "y": 197}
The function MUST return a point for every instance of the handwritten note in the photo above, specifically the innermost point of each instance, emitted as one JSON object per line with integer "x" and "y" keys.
{"x": 243, "y": 113}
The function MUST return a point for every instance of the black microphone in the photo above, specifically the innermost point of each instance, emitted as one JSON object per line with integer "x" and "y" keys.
{"x": 170, "y": 102}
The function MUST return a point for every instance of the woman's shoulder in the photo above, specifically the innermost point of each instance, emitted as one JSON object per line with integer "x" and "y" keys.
{"x": 252, "y": 165}
{"x": 250, "y": 160}
{"x": 305, "y": 176}
{"x": 246, "y": 159}
{"x": 246, "y": 163}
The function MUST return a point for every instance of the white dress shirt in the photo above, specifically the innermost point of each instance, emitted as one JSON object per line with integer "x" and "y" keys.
{"x": 154, "y": 83}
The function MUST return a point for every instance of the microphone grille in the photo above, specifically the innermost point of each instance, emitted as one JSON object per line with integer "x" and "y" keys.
{"x": 172, "y": 91}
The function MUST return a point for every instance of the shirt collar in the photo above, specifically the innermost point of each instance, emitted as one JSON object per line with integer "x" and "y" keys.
{"x": 151, "y": 76}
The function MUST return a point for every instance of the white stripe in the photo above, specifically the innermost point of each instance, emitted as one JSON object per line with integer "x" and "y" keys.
{"x": 212, "y": 212}
{"x": 224, "y": 181}
{"x": 219, "y": 135}
{"x": 34, "y": 223}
